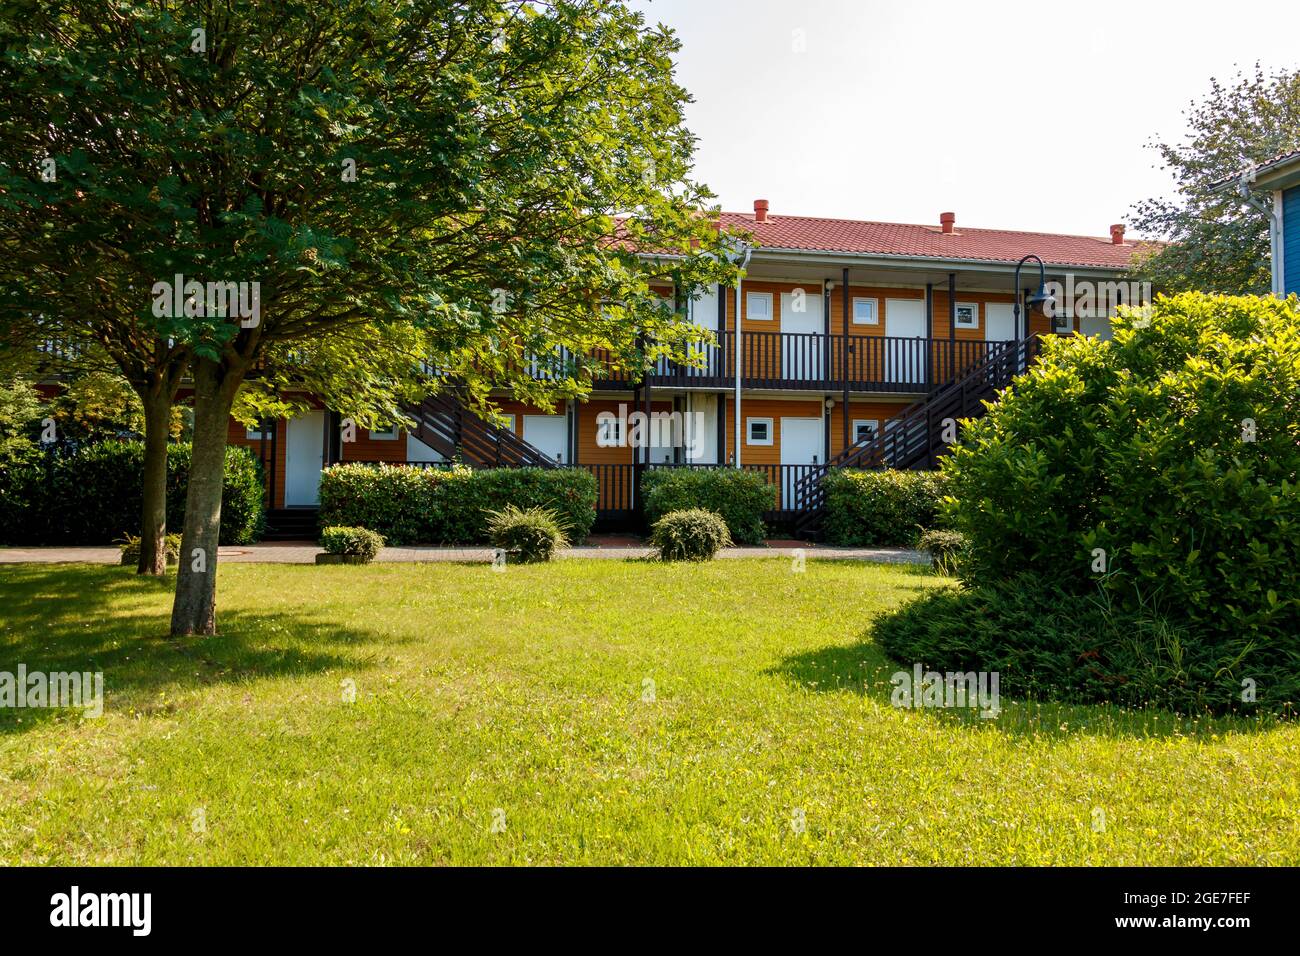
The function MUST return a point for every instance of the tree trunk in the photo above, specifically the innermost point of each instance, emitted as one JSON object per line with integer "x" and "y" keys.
{"x": 195, "y": 607}
{"x": 153, "y": 520}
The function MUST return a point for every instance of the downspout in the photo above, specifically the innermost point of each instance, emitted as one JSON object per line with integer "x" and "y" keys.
{"x": 1274, "y": 214}
{"x": 744, "y": 262}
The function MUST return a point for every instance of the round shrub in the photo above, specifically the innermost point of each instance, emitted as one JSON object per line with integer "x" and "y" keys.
{"x": 689, "y": 535}
{"x": 355, "y": 542}
{"x": 526, "y": 535}
{"x": 130, "y": 547}
{"x": 946, "y": 549}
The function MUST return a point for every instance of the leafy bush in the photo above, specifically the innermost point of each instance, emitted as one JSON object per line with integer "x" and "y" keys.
{"x": 868, "y": 509}
{"x": 1163, "y": 464}
{"x": 411, "y": 505}
{"x": 130, "y": 547}
{"x": 1043, "y": 640}
{"x": 739, "y": 497}
{"x": 689, "y": 535}
{"x": 93, "y": 494}
{"x": 946, "y": 549}
{"x": 527, "y": 536}
{"x": 360, "y": 542}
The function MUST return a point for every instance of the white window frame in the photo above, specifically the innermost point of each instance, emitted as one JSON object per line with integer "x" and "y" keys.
{"x": 975, "y": 312}
{"x": 873, "y": 422}
{"x": 750, "y": 299}
{"x": 252, "y": 434}
{"x": 874, "y": 318}
{"x": 749, "y": 431}
{"x": 1067, "y": 323}
{"x": 388, "y": 434}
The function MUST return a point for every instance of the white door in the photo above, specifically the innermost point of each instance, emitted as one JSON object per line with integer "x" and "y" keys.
{"x": 802, "y": 446}
{"x": 549, "y": 434}
{"x": 905, "y": 341}
{"x": 803, "y": 340}
{"x": 999, "y": 322}
{"x": 704, "y": 313}
{"x": 304, "y": 457}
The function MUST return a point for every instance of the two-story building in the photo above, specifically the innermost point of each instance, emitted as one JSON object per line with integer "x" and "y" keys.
{"x": 839, "y": 331}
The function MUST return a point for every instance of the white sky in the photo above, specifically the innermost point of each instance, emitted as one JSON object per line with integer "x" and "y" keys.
{"x": 1014, "y": 115}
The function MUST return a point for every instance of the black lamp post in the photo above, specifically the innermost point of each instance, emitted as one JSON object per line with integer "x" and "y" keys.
{"x": 1039, "y": 299}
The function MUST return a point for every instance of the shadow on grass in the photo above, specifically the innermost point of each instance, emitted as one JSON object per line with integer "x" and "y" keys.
{"x": 79, "y": 618}
{"x": 863, "y": 669}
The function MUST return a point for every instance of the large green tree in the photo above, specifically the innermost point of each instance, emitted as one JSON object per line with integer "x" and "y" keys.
{"x": 1218, "y": 242}
{"x": 484, "y": 172}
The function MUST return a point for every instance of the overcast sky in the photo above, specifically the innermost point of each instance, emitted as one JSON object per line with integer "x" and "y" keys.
{"x": 1013, "y": 115}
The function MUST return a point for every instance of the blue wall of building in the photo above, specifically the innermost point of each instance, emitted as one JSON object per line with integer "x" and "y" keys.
{"x": 1291, "y": 240}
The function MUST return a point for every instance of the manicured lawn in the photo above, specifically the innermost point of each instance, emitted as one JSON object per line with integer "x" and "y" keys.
{"x": 526, "y": 691}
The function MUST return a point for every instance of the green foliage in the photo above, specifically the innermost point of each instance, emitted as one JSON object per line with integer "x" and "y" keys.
{"x": 947, "y": 548}
{"x": 739, "y": 497}
{"x": 868, "y": 509}
{"x": 1162, "y": 466}
{"x": 1220, "y": 243}
{"x": 21, "y": 410}
{"x": 92, "y": 494}
{"x": 689, "y": 535}
{"x": 360, "y": 542}
{"x": 526, "y": 535}
{"x": 130, "y": 547}
{"x": 1045, "y": 641}
{"x": 411, "y": 505}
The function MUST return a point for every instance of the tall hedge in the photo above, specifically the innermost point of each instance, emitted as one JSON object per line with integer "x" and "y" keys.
{"x": 872, "y": 509}
{"x": 412, "y": 505}
{"x": 1159, "y": 474}
{"x": 93, "y": 494}
{"x": 739, "y": 497}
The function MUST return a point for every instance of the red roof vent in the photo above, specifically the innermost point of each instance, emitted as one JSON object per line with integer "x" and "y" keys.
{"x": 947, "y": 221}
{"x": 1117, "y": 234}
{"x": 760, "y": 210}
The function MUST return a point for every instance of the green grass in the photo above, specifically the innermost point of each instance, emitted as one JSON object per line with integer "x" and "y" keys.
{"x": 524, "y": 690}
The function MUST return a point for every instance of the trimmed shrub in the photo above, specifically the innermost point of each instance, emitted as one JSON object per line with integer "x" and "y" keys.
{"x": 738, "y": 497}
{"x": 412, "y": 505}
{"x": 357, "y": 542}
{"x": 1046, "y": 641}
{"x": 871, "y": 509}
{"x": 130, "y": 548}
{"x": 690, "y": 535}
{"x": 527, "y": 536}
{"x": 946, "y": 549}
{"x": 1163, "y": 465}
{"x": 93, "y": 494}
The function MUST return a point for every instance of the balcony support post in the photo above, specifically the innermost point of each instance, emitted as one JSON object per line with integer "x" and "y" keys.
{"x": 952, "y": 326}
{"x": 929, "y": 336}
{"x": 736, "y": 412}
{"x": 846, "y": 306}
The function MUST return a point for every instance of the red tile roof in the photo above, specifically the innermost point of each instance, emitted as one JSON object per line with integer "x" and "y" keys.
{"x": 812, "y": 234}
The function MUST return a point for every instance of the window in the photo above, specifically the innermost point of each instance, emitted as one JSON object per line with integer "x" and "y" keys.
{"x": 758, "y": 431}
{"x": 758, "y": 306}
{"x": 968, "y": 315}
{"x": 864, "y": 312}
{"x": 865, "y": 428}
{"x": 255, "y": 434}
{"x": 387, "y": 433}
{"x": 1062, "y": 324}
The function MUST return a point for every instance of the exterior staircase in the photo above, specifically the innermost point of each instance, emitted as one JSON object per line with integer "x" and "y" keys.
{"x": 914, "y": 438}
{"x": 448, "y": 426}
{"x": 292, "y": 524}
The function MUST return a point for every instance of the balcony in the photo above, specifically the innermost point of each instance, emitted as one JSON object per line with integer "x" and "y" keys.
{"x": 814, "y": 362}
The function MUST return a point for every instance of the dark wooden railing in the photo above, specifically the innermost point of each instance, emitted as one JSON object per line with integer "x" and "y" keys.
{"x": 805, "y": 360}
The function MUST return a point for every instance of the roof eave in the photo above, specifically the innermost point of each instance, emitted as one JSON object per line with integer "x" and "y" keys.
{"x": 832, "y": 257}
